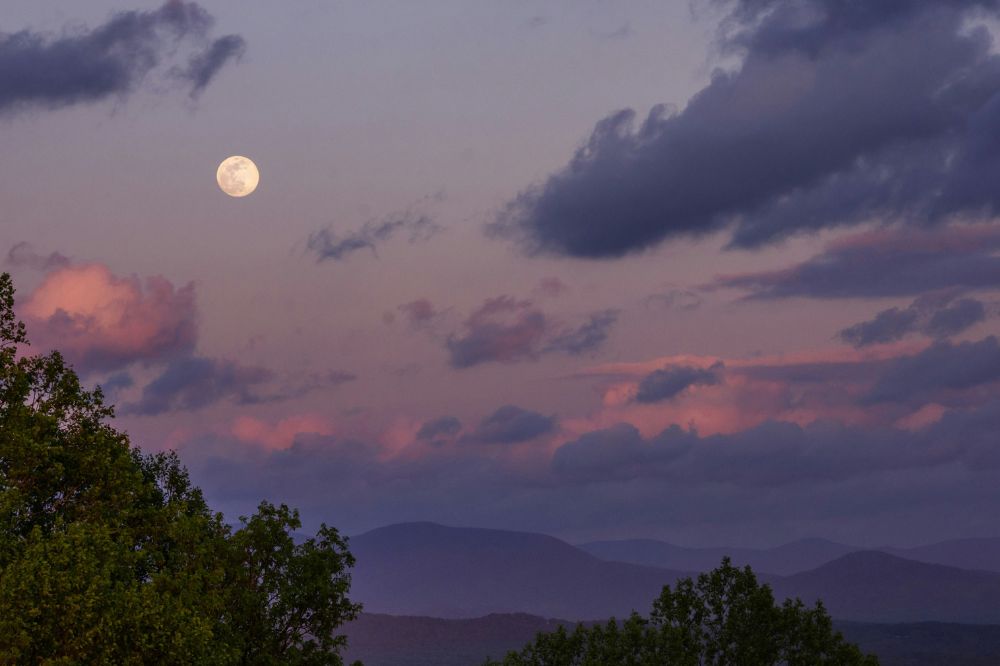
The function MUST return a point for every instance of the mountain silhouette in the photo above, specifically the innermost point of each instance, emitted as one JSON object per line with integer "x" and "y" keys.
{"x": 430, "y": 569}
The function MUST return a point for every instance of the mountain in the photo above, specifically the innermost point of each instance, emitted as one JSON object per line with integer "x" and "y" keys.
{"x": 787, "y": 559}
{"x": 982, "y": 554}
{"x": 429, "y": 569}
{"x": 448, "y": 572}
{"x": 389, "y": 640}
{"x": 872, "y": 586}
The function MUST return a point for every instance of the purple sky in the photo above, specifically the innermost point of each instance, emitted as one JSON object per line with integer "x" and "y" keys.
{"x": 474, "y": 288}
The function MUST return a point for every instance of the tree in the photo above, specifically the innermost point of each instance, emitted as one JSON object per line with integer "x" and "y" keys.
{"x": 110, "y": 555}
{"x": 725, "y": 618}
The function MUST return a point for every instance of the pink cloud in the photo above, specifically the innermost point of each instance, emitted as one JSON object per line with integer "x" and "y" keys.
{"x": 101, "y": 321}
{"x": 800, "y": 387}
{"x": 280, "y": 434}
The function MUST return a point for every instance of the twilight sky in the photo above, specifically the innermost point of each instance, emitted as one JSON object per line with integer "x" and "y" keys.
{"x": 712, "y": 272}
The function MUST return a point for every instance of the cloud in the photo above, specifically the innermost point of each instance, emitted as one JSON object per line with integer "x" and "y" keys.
{"x": 551, "y": 287}
{"x": 338, "y": 377}
{"x": 955, "y": 318}
{"x": 935, "y": 315}
{"x": 22, "y": 255}
{"x": 685, "y": 300}
{"x": 777, "y": 479}
{"x": 775, "y": 454}
{"x": 196, "y": 383}
{"x": 935, "y": 372}
{"x": 511, "y": 424}
{"x": 419, "y": 312}
{"x": 440, "y": 430}
{"x": 282, "y": 434}
{"x": 838, "y": 115}
{"x": 588, "y": 336}
{"x": 506, "y": 330}
{"x": 100, "y": 321}
{"x": 110, "y": 60}
{"x": 671, "y": 381}
{"x": 502, "y": 330}
{"x": 203, "y": 67}
{"x": 328, "y": 246}
{"x": 888, "y": 262}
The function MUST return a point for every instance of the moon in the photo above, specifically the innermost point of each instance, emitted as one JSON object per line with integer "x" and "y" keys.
{"x": 237, "y": 176}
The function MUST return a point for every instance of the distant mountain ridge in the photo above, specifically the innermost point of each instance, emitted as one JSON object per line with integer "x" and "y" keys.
{"x": 430, "y": 569}
{"x": 873, "y": 586}
{"x": 783, "y": 560}
{"x": 982, "y": 554}
{"x": 448, "y": 572}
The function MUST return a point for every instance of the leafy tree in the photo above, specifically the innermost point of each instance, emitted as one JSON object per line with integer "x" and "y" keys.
{"x": 111, "y": 556}
{"x": 725, "y": 618}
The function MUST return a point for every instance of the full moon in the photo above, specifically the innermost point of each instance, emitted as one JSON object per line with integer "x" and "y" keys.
{"x": 237, "y": 176}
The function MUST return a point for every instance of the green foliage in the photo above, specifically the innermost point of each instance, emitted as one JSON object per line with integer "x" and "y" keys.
{"x": 724, "y": 618}
{"x": 111, "y": 556}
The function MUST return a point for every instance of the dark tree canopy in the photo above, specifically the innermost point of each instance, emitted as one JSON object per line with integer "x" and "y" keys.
{"x": 725, "y": 618}
{"x": 109, "y": 555}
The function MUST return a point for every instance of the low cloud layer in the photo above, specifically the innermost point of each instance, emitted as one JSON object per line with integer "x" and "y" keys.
{"x": 840, "y": 113}
{"x": 113, "y": 59}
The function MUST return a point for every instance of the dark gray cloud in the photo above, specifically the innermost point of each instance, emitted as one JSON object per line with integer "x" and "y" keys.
{"x": 897, "y": 262}
{"x": 839, "y": 114}
{"x": 887, "y": 326}
{"x": 669, "y": 382}
{"x": 935, "y": 315}
{"x": 588, "y": 336}
{"x": 938, "y": 372}
{"x": 22, "y": 255}
{"x": 955, "y": 318}
{"x": 776, "y": 454}
{"x": 328, "y": 246}
{"x": 203, "y": 67}
{"x": 113, "y": 385}
{"x": 194, "y": 382}
{"x": 439, "y": 430}
{"x": 111, "y": 59}
{"x": 511, "y": 424}
{"x": 507, "y": 330}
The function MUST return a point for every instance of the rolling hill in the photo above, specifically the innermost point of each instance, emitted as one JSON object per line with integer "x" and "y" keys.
{"x": 783, "y": 560}
{"x": 448, "y": 572}
{"x": 872, "y": 586}
{"x": 429, "y": 569}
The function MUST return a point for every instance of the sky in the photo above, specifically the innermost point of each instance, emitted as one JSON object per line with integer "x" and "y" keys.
{"x": 703, "y": 271}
